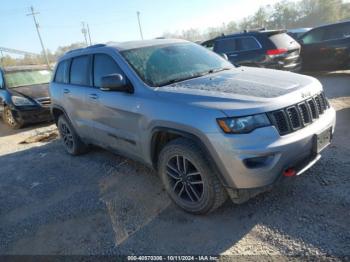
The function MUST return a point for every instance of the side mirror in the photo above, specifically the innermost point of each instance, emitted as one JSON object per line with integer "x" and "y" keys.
{"x": 115, "y": 82}
{"x": 224, "y": 56}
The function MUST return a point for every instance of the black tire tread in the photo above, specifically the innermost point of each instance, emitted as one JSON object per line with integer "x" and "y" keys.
{"x": 220, "y": 194}
{"x": 18, "y": 125}
{"x": 80, "y": 146}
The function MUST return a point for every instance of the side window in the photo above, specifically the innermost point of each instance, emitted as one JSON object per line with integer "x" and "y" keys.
{"x": 1, "y": 81}
{"x": 314, "y": 36}
{"x": 209, "y": 45}
{"x": 337, "y": 32}
{"x": 80, "y": 71}
{"x": 62, "y": 72}
{"x": 248, "y": 43}
{"x": 226, "y": 45}
{"x": 104, "y": 65}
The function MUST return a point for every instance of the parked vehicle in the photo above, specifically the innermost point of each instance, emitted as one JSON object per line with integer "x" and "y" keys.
{"x": 24, "y": 95}
{"x": 298, "y": 32}
{"x": 326, "y": 47}
{"x": 266, "y": 48}
{"x": 209, "y": 128}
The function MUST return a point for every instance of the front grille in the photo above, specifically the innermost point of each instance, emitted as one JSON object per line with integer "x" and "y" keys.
{"x": 312, "y": 105}
{"x": 44, "y": 101}
{"x": 294, "y": 117}
{"x": 304, "y": 113}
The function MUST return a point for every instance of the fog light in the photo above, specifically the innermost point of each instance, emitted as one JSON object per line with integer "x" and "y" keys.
{"x": 256, "y": 162}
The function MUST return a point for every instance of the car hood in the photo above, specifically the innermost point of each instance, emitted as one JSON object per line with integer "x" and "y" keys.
{"x": 244, "y": 90}
{"x": 33, "y": 91}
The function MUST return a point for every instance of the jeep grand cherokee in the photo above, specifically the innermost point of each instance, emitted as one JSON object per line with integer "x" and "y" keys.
{"x": 210, "y": 129}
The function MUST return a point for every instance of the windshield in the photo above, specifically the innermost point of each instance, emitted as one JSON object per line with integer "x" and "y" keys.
{"x": 27, "y": 78}
{"x": 166, "y": 64}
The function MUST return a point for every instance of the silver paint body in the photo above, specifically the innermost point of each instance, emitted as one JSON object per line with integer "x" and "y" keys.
{"x": 126, "y": 122}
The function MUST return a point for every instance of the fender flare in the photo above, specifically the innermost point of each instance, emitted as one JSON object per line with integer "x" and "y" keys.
{"x": 188, "y": 135}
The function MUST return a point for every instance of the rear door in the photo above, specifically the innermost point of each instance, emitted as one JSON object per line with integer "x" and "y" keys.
{"x": 249, "y": 51}
{"x": 74, "y": 95}
{"x": 114, "y": 114}
{"x": 313, "y": 52}
{"x": 229, "y": 47}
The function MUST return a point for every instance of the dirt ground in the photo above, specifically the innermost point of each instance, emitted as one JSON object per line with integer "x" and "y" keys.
{"x": 100, "y": 203}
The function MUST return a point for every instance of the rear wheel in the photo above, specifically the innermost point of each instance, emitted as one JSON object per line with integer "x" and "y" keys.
{"x": 188, "y": 177}
{"x": 10, "y": 120}
{"x": 70, "y": 139}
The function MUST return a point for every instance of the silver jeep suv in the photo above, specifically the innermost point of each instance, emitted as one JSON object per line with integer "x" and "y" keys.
{"x": 210, "y": 129}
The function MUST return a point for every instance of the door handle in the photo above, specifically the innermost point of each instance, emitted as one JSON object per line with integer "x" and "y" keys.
{"x": 93, "y": 96}
{"x": 233, "y": 55}
{"x": 66, "y": 91}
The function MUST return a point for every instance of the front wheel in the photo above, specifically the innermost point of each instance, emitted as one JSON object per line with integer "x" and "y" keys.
{"x": 10, "y": 120}
{"x": 188, "y": 177}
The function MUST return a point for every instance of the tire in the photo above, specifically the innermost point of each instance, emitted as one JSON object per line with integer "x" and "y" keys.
{"x": 188, "y": 177}
{"x": 71, "y": 141}
{"x": 10, "y": 120}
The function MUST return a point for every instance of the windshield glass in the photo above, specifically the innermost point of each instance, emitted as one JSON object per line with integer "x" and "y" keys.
{"x": 27, "y": 78}
{"x": 165, "y": 64}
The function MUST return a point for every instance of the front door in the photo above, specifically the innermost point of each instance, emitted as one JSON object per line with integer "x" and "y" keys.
{"x": 115, "y": 115}
{"x": 314, "y": 52}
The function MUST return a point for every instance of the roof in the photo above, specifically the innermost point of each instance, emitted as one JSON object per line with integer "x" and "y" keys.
{"x": 332, "y": 24}
{"x": 122, "y": 46}
{"x": 24, "y": 68}
{"x": 144, "y": 43}
{"x": 247, "y": 33}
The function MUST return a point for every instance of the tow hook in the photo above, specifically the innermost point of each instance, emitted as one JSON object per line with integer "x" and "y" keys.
{"x": 289, "y": 172}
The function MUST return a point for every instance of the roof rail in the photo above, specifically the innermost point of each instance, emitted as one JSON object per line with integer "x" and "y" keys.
{"x": 75, "y": 50}
{"x": 95, "y": 46}
{"x": 83, "y": 48}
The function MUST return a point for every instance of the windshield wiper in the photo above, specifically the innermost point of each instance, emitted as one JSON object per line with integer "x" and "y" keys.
{"x": 211, "y": 71}
{"x": 180, "y": 79}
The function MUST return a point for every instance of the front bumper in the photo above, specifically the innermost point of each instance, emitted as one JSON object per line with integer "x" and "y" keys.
{"x": 29, "y": 116}
{"x": 280, "y": 152}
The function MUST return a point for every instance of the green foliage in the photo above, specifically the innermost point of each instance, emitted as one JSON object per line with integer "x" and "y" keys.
{"x": 284, "y": 14}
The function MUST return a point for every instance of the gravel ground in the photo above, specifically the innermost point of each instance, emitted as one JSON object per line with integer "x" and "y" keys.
{"x": 100, "y": 203}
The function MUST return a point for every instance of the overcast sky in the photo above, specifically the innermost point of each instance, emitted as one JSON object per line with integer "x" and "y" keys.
{"x": 112, "y": 20}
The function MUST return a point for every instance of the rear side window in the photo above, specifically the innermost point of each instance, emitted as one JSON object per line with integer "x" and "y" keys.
{"x": 226, "y": 45}
{"x": 104, "y": 65}
{"x": 248, "y": 43}
{"x": 79, "y": 72}
{"x": 314, "y": 36}
{"x": 62, "y": 72}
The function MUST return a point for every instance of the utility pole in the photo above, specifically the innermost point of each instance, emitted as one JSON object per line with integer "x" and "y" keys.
{"x": 88, "y": 30}
{"x": 37, "y": 29}
{"x": 138, "y": 19}
{"x": 84, "y": 31}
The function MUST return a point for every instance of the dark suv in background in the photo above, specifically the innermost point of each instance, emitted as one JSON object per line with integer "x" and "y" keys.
{"x": 326, "y": 47}
{"x": 265, "y": 48}
{"x": 24, "y": 95}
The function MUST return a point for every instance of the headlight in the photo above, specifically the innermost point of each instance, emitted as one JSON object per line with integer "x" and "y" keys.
{"x": 21, "y": 101}
{"x": 243, "y": 125}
